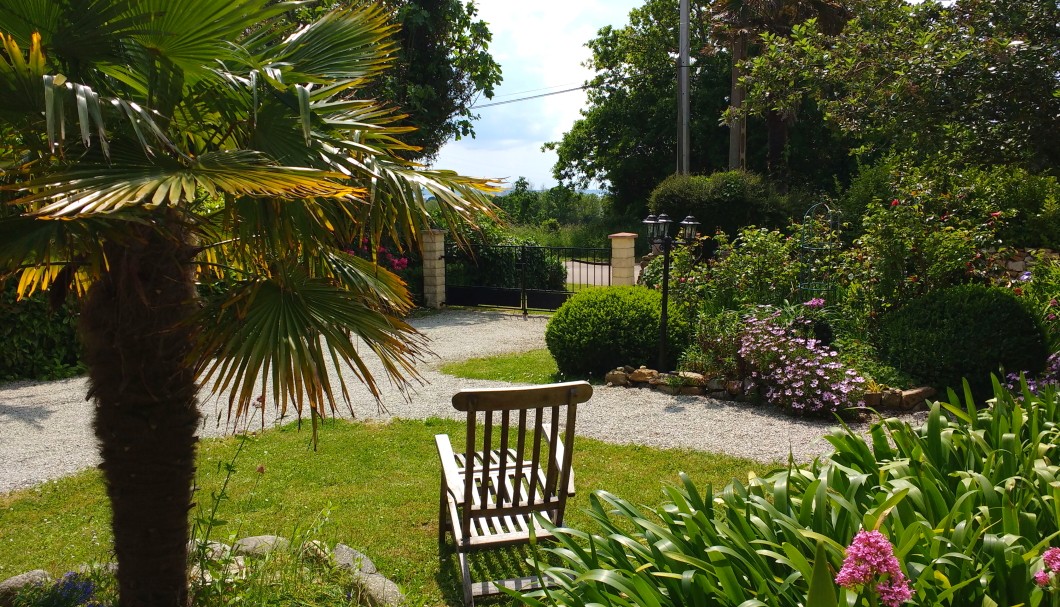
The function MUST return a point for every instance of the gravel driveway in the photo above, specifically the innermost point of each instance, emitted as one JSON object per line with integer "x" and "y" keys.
{"x": 45, "y": 428}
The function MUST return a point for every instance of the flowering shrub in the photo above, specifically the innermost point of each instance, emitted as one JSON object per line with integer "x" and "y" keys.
{"x": 796, "y": 370}
{"x": 383, "y": 256}
{"x": 870, "y": 563}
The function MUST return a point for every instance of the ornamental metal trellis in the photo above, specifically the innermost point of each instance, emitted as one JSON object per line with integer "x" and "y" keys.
{"x": 818, "y": 245}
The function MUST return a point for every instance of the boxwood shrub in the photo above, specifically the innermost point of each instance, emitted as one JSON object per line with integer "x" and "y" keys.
{"x": 726, "y": 201}
{"x": 597, "y": 330}
{"x": 967, "y": 331}
{"x": 39, "y": 343}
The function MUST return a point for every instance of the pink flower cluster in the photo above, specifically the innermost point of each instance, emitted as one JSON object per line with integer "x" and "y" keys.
{"x": 870, "y": 558}
{"x": 1051, "y": 558}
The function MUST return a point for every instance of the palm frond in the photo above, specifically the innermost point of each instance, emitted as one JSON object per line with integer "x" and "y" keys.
{"x": 39, "y": 249}
{"x": 288, "y": 331}
{"x": 399, "y": 194}
{"x": 195, "y": 34}
{"x": 346, "y": 44}
{"x": 104, "y": 189}
{"x": 21, "y": 77}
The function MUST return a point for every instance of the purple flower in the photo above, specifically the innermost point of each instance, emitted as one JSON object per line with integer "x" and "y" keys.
{"x": 870, "y": 558}
{"x": 1025, "y": 276}
{"x": 816, "y": 303}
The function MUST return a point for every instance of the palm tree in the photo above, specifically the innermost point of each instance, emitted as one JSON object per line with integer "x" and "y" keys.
{"x": 740, "y": 22}
{"x": 150, "y": 144}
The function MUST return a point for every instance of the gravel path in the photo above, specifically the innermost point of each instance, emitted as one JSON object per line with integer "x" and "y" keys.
{"x": 45, "y": 428}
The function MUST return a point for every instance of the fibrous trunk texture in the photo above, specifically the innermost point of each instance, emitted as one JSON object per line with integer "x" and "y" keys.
{"x": 138, "y": 341}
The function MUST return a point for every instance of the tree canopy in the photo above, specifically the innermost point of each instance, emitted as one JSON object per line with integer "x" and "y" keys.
{"x": 975, "y": 80}
{"x": 443, "y": 65}
{"x": 626, "y": 137}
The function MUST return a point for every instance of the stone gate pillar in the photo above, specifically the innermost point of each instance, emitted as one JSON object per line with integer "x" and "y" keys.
{"x": 433, "y": 267}
{"x": 622, "y": 259}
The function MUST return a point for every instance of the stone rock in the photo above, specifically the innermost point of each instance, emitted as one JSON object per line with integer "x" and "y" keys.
{"x": 720, "y": 394}
{"x": 234, "y": 568}
{"x": 642, "y": 375}
{"x": 915, "y": 398}
{"x": 260, "y": 544}
{"x": 315, "y": 550}
{"x": 214, "y": 550}
{"x": 11, "y": 586}
{"x": 1016, "y": 266}
{"x": 693, "y": 379}
{"x": 691, "y": 391}
{"x": 661, "y": 378}
{"x": 667, "y": 389}
{"x": 716, "y": 384}
{"x": 734, "y": 387}
{"x": 891, "y": 399}
{"x": 617, "y": 377}
{"x": 380, "y": 591}
{"x": 628, "y": 369}
{"x": 353, "y": 560}
{"x": 873, "y": 399}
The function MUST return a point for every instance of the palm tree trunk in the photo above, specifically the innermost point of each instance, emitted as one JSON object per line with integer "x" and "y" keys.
{"x": 138, "y": 344}
{"x": 738, "y": 128}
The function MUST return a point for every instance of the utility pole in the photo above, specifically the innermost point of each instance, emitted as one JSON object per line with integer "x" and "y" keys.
{"x": 682, "y": 93}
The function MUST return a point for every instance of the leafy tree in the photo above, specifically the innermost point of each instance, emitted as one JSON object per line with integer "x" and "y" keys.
{"x": 627, "y": 136}
{"x": 443, "y": 66}
{"x": 974, "y": 81}
{"x": 740, "y": 23}
{"x": 146, "y": 143}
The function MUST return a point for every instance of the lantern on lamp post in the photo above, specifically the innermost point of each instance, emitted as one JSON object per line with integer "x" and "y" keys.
{"x": 658, "y": 228}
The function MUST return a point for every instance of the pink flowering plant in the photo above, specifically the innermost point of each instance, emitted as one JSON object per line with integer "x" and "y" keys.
{"x": 871, "y": 567}
{"x": 1048, "y": 577}
{"x": 795, "y": 370}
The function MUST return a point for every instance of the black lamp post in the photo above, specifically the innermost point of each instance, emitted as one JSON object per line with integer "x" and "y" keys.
{"x": 659, "y": 234}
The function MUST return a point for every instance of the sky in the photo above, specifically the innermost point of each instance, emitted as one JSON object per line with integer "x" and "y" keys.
{"x": 540, "y": 46}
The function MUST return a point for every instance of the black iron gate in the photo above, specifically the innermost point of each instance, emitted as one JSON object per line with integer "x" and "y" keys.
{"x": 522, "y": 276}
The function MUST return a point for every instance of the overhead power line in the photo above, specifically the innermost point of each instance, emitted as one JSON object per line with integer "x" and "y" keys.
{"x": 580, "y": 88}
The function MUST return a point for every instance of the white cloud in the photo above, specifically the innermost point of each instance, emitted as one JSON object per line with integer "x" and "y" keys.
{"x": 541, "y": 48}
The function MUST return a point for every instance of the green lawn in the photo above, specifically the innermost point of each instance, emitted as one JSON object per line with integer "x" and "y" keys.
{"x": 377, "y": 482}
{"x": 533, "y": 367}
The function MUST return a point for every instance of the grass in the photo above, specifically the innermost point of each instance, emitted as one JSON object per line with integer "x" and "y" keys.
{"x": 533, "y": 367}
{"x": 377, "y": 482}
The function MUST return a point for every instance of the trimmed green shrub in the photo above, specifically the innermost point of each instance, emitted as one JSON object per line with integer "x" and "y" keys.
{"x": 597, "y": 330}
{"x": 39, "y": 343}
{"x": 725, "y": 201}
{"x": 968, "y": 331}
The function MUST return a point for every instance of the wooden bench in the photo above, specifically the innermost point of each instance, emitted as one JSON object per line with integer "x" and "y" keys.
{"x": 516, "y": 468}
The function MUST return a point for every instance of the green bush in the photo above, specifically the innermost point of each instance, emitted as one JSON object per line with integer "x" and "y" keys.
{"x": 726, "y": 201}
{"x": 39, "y": 343}
{"x": 597, "y": 330}
{"x": 760, "y": 267}
{"x": 967, "y": 331}
{"x": 715, "y": 350}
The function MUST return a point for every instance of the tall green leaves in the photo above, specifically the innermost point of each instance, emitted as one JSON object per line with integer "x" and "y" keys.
{"x": 969, "y": 500}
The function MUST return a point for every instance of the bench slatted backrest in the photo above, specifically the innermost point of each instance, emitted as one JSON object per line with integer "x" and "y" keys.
{"x": 506, "y": 477}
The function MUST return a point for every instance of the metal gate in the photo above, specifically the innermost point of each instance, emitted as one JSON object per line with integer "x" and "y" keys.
{"x": 525, "y": 277}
